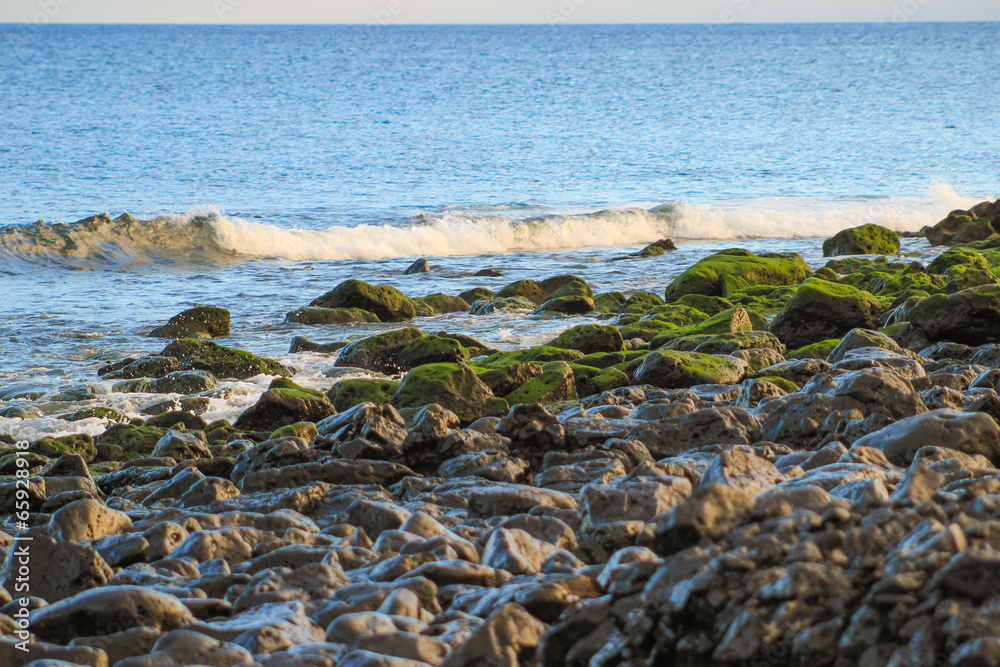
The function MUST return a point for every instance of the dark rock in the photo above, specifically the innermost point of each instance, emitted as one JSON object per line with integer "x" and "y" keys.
{"x": 206, "y": 321}
{"x": 867, "y": 239}
{"x": 388, "y": 303}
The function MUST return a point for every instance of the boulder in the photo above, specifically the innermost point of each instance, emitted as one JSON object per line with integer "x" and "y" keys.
{"x": 431, "y": 349}
{"x": 506, "y": 636}
{"x": 311, "y": 315}
{"x": 966, "y": 432}
{"x": 58, "y": 569}
{"x": 971, "y": 317}
{"x": 203, "y": 321}
{"x": 442, "y": 303}
{"x": 575, "y": 297}
{"x": 387, "y": 303}
{"x": 106, "y": 610}
{"x": 589, "y": 338}
{"x": 282, "y": 404}
{"x": 347, "y": 393}
{"x": 87, "y": 519}
{"x": 555, "y": 383}
{"x": 669, "y": 369}
{"x": 980, "y": 222}
{"x": 731, "y": 270}
{"x": 867, "y": 239}
{"x": 454, "y": 387}
{"x": 380, "y": 352}
{"x": 418, "y": 266}
{"x": 223, "y": 362}
{"x": 182, "y": 446}
{"x": 820, "y": 310}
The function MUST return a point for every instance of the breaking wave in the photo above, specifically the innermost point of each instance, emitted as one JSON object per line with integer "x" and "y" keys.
{"x": 208, "y": 237}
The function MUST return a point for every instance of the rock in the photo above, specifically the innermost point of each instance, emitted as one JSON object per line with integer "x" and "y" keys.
{"x": 452, "y": 386}
{"x": 311, "y": 315}
{"x": 709, "y": 426}
{"x": 224, "y": 362}
{"x": 282, "y": 404}
{"x": 303, "y": 344}
{"x": 145, "y": 367}
{"x": 515, "y": 551}
{"x": 379, "y": 352}
{"x": 183, "y": 382}
{"x": 969, "y": 433}
{"x": 58, "y": 569}
{"x": 132, "y": 439}
{"x": 80, "y": 443}
{"x": 208, "y": 321}
{"x": 181, "y": 446}
{"x": 860, "y": 338}
{"x": 575, "y": 297}
{"x": 431, "y": 349}
{"x": 867, "y": 239}
{"x": 978, "y": 223}
{"x": 347, "y": 393}
{"x": 15, "y": 653}
{"x": 741, "y": 470}
{"x": 555, "y": 383}
{"x": 971, "y": 317}
{"x": 419, "y": 266}
{"x": 505, "y": 637}
{"x": 731, "y": 270}
{"x": 87, "y": 519}
{"x": 442, "y": 303}
{"x": 493, "y": 304}
{"x": 710, "y": 333}
{"x": 820, "y": 310}
{"x": 589, "y": 338}
{"x": 387, "y": 303}
{"x": 710, "y": 512}
{"x": 670, "y": 370}
{"x": 109, "y": 609}
{"x": 652, "y": 250}
{"x": 187, "y": 647}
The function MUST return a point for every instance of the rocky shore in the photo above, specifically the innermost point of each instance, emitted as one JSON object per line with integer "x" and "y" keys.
{"x": 762, "y": 464}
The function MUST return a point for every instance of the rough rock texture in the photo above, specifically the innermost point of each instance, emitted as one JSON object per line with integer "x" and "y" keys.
{"x": 867, "y": 239}
{"x": 387, "y": 303}
{"x": 971, "y": 317}
{"x": 203, "y": 321}
{"x": 820, "y": 310}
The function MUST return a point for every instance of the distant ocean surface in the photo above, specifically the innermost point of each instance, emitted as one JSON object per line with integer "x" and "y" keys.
{"x": 278, "y": 161}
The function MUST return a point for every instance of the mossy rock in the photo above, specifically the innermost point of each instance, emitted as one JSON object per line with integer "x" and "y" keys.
{"x": 305, "y": 430}
{"x": 380, "y": 352}
{"x": 77, "y": 443}
{"x": 575, "y": 297}
{"x": 493, "y": 304}
{"x": 970, "y": 317}
{"x": 963, "y": 277}
{"x": 958, "y": 257}
{"x": 201, "y": 321}
{"x": 731, "y": 270}
{"x": 820, "y": 310}
{"x": 388, "y": 303}
{"x": 820, "y": 350}
{"x": 827, "y": 273}
{"x": 475, "y": 346}
{"x": 171, "y": 419}
{"x": 870, "y": 239}
{"x": 347, "y": 393}
{"x": 442, "y": 303}
{"x": 710, "y": 305}
{"x": 527, "y": 289}
{"x": 303, "y": 344}
{"x": 678, "y": 314}
{"x": 219, "y": 432}
{"x": 154, "y": 366}
{"x": 728, "y": 321}
{"x": 555, "y": 383}
{"x": 726, "y": 343}
{"x": 673, "y": 370}
{"x": 607, "y": 360}
{"x": 646, "y": 330}
{"x": 475, "y": 294}
{"x": 787, "y": 385}
{"x": 608, "y": 302}
{"x": 978, "y": 223}
{"x": 506, "y": 379}
{"x": 589, "y": 338}
{"x": 285, "y": 403}
{"x": 590, "y": 380}
{"x": 454, "y": 387}
{"x": 540, "y": 354}
{"x": 312, "y": 316}
{"x": 642, "y": 300}
{"x": 223, "y": 362}
{"x": 132, "y": 439}
{"x": 431, "y": 349}
{"x": 112, "y": 415}
{"x": 766, "y": 299}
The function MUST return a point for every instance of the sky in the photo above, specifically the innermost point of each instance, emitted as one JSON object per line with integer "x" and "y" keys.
{"x": 386, "y": 12}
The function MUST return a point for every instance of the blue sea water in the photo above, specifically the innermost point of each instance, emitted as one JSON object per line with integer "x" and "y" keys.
{"x": 278, "y": 161}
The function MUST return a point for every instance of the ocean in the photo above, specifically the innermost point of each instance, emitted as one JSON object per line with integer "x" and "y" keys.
{"x": 263, "y": 165}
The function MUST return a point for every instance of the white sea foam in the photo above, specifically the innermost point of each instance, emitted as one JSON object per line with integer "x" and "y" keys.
{"x": 206, "y": 236}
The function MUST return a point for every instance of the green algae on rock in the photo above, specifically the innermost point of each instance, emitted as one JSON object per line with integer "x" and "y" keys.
{"x": 820, "y": 310}
{"x": 669, "y": 369}
{"x": 455, "y": 387}
{"x": 223, "y": 362}
{"x": 285, "y": 403}
{"x": 870, "y": 239}
{"x": 207, "y": 321}
{"x": 379, "y": 352}
{"x": 388, "y": 303}
{"x": 311, "y": 315}
{"x": 971, "y": 317}
{"x": 347, "y": 393}
{"x": 980, "y": 222}
{"x": 730, "y": 270}
{"x": 589, "y": 338}
{"x": 555, "y": 383}
{"x": 728, "y": 321}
